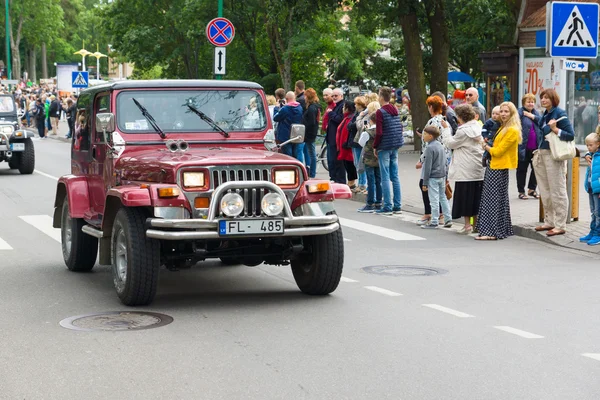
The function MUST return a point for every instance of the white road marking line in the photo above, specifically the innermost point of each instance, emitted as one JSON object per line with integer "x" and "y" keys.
{"x": 447, "y": 310}
{"x": 593, "y": 356}
{"x": 377, "y": 230}
{"x": 45, "y": 174}
{"x": 4, "y": 245}
{"x": 383, "y": 291}
{"x": 518, "y": 332}
{"x": 347, "y": 280}
{"x": 44, "y": 224}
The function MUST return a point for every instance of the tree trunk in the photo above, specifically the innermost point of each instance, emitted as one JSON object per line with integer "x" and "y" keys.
{"x": 33, "y": 65}
{"x": 44, "y": 62}
{"x": 15, "y": 41}
{"x": 440, "y": 45}
{"x": 414, "y": 68}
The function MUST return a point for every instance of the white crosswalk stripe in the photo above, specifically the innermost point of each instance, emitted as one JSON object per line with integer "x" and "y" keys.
{"x": 4, "y": 245}
{"x": 378, "y": 230}
{"x": 44, "y": 224}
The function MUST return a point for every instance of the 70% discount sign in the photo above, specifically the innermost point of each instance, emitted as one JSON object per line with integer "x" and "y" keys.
{"x": 220, "y": 33}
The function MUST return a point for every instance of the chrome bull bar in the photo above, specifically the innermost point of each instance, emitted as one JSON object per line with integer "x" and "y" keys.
{"x": 295, "y": 226}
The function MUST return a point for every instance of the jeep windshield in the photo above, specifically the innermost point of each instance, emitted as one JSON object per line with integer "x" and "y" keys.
{"x": 7, "y": 104}
{"x": 231, "y": 110}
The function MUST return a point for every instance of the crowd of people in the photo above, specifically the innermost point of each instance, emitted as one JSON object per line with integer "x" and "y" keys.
{"x": 41, "y": 108}
{"x": 458, "y": 146}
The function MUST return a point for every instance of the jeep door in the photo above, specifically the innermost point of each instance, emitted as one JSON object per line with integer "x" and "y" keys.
{"x": 99, "y": 179}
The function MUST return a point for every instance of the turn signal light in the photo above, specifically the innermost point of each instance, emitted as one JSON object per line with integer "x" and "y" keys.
{"x": 201, "y": 202}
{"x": 318, "y": 187}
{"x": 168, "y": 192}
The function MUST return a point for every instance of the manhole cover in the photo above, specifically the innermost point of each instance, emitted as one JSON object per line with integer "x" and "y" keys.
{"x": 116, "y": 321}
{"x": 402, "y": 270}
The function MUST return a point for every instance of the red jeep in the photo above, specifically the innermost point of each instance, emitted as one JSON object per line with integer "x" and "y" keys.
{"x": 175, "y": 172}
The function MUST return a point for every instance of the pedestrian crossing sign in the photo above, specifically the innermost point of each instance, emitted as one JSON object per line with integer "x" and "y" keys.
{"x": 572, "y": 29}
{"x": 80, "y": 79}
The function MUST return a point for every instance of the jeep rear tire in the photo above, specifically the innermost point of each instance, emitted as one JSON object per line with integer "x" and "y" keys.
{"x": 135, "y": 258}
{"x": 27, "y": 158}
{"x": 79, "y": 249}
{"x": 318, "y": 269}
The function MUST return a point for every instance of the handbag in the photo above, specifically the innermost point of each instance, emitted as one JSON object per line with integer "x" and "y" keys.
{"x": 448, "y": 191}
{"x": 560, "y": 149}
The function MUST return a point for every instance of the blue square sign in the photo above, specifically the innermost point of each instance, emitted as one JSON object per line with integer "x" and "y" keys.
{"x": 572, "y": 29}
{"x": 79, "y": 79}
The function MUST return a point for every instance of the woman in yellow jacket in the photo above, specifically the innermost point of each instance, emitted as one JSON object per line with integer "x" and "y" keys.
{"x": 494, "y": 211}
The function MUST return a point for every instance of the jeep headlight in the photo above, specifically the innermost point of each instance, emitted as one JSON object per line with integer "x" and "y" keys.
{"x": 272, "y": 204}
{"x": 232, "y": 204}
{"x": 193, "y": 179}
{"x": 7, "y": 129}
{"x": 285, "y": 177}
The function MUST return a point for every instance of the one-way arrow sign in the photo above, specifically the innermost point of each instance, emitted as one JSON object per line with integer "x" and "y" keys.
{"x": 573, "y": 65}
{"x": 220, "y": 56}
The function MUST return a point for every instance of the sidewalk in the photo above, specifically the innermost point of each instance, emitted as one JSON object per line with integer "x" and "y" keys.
{"x": 524, "y": 213}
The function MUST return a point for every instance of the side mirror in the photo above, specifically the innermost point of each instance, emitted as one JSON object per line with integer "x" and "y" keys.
{"x": 105, "y": 122}
{"x": 297, "y": 133}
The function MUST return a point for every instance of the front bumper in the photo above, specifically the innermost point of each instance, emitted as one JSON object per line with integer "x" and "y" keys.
{"x": 318, "y": 223}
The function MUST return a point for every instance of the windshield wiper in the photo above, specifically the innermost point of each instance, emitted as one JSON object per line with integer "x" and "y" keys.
{"x": 150, "y": 118}
{"x": 208, "y": 120}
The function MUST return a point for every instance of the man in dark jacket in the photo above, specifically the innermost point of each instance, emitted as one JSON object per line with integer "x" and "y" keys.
{"x": 388, "y": 139}
{"x": 54, "y": 112}
{"x": 299, "y": 91}
{"x": 289, "y": 114}
{"x": 337, "y": 173}
{"x": 71, "y": 111}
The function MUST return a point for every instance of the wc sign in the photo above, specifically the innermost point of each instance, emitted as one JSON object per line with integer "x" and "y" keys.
{"x": 573, "y": 65}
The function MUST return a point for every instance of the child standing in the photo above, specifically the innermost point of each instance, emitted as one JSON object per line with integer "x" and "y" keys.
{"x": 592, "y": 186}
{"x": 371, "y": 162}
{"x": 434, "y": 178}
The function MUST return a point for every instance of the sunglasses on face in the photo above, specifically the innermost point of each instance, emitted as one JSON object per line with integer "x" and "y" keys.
{"x": 469, "y": 95}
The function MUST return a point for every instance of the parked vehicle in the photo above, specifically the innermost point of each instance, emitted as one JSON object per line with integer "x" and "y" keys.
{"x": 170, "y": 173}
{"x": 16, "y": 145}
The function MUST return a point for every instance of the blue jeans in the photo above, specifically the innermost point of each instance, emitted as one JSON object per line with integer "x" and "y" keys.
{"x": 310, "y": 158}
{"x": 437, "y": 196}
{"x": 373, "y": 185}
{"x": 388, "y": 166}
{"x": 295, "y": 150}
{"x": 595, "y": 210}
{"x": 28, "y": 118}
{"x": 362, "y": 178}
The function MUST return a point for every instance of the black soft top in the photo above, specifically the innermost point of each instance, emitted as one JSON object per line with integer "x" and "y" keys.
{"x": 173, "y": 83}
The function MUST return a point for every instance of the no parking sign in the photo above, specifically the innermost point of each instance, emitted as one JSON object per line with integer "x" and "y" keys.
{"x": 220, "y": 32}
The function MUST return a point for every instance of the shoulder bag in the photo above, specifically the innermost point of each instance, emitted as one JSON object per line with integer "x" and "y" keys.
{"x": 560, "y": 149}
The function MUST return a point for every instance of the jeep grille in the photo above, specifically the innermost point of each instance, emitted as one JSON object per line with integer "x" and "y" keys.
{"x": 252, "y": 197}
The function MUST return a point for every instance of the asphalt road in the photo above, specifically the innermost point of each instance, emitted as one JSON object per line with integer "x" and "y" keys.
{"x": 513, "y": 319}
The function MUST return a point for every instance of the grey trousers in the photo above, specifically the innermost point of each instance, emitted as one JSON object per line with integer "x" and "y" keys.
{"x": 552, "y": 184}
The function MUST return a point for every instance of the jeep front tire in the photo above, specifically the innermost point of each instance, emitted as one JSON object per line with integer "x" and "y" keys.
{"x": 79, "y": 249}
{"x": 318, "y": 269}
{"x": 135, "y": 258}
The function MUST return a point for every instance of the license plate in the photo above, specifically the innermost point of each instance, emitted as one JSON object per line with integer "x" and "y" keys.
{"x": 250, "y": 227}
{"x": 17, "y": 147}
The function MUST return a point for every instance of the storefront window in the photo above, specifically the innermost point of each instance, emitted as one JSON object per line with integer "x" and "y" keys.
{"x": 586, "y": 99}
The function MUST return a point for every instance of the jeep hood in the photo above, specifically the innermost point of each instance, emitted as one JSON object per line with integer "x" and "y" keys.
{"x": 161, "y": 165}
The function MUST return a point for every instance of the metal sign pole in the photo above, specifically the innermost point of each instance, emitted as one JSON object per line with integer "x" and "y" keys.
{"x": 220, "y": 15}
